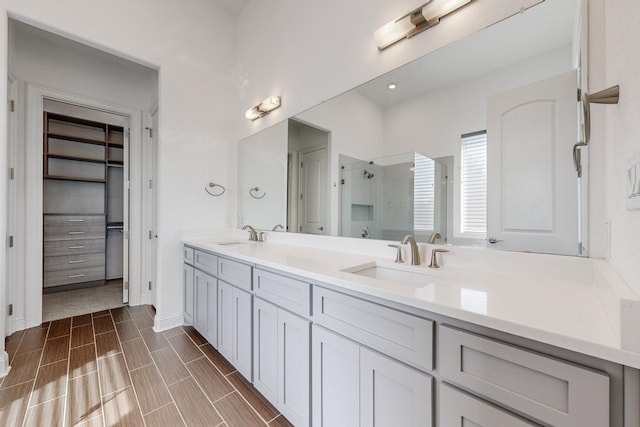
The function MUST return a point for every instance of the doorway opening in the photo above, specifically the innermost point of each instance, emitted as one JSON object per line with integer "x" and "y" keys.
{"x": 80, "y": 202}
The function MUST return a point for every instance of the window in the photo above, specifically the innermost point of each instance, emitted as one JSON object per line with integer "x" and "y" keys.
{"x": 473, "y": 174}
{"x": 423, "y": 193}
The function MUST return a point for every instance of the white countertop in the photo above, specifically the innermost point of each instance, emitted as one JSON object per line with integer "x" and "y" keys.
{"x": 558, "y": 312}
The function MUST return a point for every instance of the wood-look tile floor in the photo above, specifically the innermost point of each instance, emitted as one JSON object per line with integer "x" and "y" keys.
{"x": 110, "y": 368}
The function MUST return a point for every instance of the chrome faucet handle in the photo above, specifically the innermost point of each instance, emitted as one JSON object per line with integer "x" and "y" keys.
{"x": 434, "y": 257}
{"x": 398, "y": 253}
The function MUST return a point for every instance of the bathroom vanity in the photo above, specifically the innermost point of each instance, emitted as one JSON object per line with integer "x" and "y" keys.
{"x": 330, "y": 347}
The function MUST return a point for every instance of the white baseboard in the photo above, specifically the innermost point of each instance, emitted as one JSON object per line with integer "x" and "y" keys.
{"x": 4, "y": 364}
{"x": 165, "y": 323}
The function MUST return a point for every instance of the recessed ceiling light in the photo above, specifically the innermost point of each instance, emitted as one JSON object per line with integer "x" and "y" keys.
{"x": 392, "y": 86}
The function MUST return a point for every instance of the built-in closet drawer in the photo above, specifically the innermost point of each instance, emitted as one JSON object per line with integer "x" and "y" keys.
{"x": 206, "y": 262}
{"x": 553, "y": 391}
{"x": 68, "y": 277}
{"x": 73, "y": 232}
{"x": 67, "y": 220}
{"x": 72, "y": 262}
{"x": 459, "y": 409}
{"x": 63, "y": 247}
{"x": 400, "y": 335}
{"x": 235, "y": 273}
{"x": 188, "y": 255}
{"x": 286, "y": 292}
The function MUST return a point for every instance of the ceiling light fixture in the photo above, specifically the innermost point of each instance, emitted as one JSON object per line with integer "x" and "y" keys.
{"x": 392, "y": 86}
{"x": 264, "y": 108}
{"x": 416, "y": 21}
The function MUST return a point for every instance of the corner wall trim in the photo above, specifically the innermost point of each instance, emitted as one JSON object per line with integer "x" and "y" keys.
{"x": 165, "y": 323}
{"x": 4, "y": 364}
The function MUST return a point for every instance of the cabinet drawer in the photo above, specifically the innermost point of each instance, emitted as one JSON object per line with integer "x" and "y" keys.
{"x": 206, "y": 262}
{"x": 73, "y": 262}
{"x": 400, "y": 335}
{"x": 286, "y": 292}
{"x": 235, "y": 273}
{"x": 56, "y": 278}
{"x": 553, "y": 391}
{"x": 459, "y": 409}
{"x": 63, "y": 247}
{"x": 188, "y": 255}
{"x": 58, "y": 220}
{"x": 73, "y": 232}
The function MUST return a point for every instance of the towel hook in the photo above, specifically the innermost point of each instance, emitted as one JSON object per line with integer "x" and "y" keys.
{"x": 251, "y": 191}
{"x": 213, "y": 185}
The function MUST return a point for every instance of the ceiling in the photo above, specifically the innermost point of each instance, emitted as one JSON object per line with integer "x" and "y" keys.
{"x": 234, "y": 7}
{"x": 537, "y": 30}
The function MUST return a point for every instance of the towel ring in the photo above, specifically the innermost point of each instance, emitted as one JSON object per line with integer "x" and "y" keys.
{"x": 213, "y": 185}
{"x": 254, "y": 196}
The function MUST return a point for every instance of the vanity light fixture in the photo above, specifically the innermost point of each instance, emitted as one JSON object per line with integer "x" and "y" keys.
{"x": 416, "y": 21}
{"x": 264, "y": 108}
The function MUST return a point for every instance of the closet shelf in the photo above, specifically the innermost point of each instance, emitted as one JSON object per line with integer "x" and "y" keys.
{"x": 72, "y": 178}
{"x": 76, "y": 139}
{"x": 81, "y": 159}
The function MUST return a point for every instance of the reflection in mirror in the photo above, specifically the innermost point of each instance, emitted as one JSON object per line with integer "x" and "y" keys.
{"x": 390, "y": 197}
{"x": 514, "y": 83}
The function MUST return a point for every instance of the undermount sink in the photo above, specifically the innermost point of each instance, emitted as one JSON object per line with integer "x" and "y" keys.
{"x": 407, "y": 275}
{"x": 232, "y": 243}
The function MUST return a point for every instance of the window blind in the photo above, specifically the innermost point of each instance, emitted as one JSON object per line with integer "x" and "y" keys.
{"x": 473, "y": 164}
{"x": 423, "y": 193}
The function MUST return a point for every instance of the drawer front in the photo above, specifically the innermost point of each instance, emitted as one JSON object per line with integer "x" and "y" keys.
{"x": 57, "y": 278}
{"x": 288, "y": 293}
{"x": 73, "y": 262}
{"x": 459, "y": 409}
{"x": 73, "y": 232}
{"x": 63, "y": 247}
{"x": 400, "y": 335}
{"x": 188, "y": 255}
{"x": 235, "y": 273}
{"x": 57, "y": 220}
{"x": 206, "y": 262}
{"x": 553, "y": 391}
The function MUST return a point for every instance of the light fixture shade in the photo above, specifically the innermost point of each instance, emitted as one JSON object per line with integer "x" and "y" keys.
{"x": 438, "y": 9}
{"x": 253, "y": 113}
{"x": 393, "y": 32}
{"x": 269, "y": 104}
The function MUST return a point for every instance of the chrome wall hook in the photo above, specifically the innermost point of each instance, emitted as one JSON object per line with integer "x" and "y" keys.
{"x": 213, "y": 185}
{"x": 256, "y": 189}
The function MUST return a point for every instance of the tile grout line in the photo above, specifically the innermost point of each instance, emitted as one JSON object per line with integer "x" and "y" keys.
{"x": 225, "y": 377}
{"x": 66, "y": 388}
{"x": 95, "y": 349}
{"x": 193, "y": 377}
{"x": 24, "y": 420}
{"x": 124, "y": 358}
{"x": 161, "y": 378}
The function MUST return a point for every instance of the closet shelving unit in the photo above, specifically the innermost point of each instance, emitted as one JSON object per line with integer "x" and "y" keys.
{"x": 82, "y": 203}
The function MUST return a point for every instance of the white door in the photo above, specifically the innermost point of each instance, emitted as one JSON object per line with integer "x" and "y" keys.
{"x": 125, "y": 204}
{"x": 313, "y": 200}
{"x": 532, "y": 199}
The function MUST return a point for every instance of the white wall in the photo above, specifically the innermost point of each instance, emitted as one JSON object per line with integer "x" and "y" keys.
{"x": 622, "y": 139}
{"x": 192, "y": 43}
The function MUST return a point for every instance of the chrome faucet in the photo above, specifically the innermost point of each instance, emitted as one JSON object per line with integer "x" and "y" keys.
{"x": 434, "y": 257}
{"x": 275, "y": 227}
{"x": 415, "y": 251}
{"x": 434, "y": 236}
{"x": 253, "y": 235}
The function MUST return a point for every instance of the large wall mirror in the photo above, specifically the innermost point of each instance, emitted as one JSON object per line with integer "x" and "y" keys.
{"x": 473, "y": 141}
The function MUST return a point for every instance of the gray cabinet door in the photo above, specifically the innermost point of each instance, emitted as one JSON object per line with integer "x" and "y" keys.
{"x": 393, "y": 394}
{"x": 335, "y": 380}
{"x": 294, "y": 367}
{"x": 242, "y": 313}
{"x": 265, "y": 349}
{"x": 225, "y": 320}
{"x": 201, "y": 284}
{"x": 187, "y": 279}
{"x": 459, "y": 409}
{"x": 212, "y": 311}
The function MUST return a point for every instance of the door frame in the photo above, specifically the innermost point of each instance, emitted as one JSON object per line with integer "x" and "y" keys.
{"x": 31, "y": 233}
